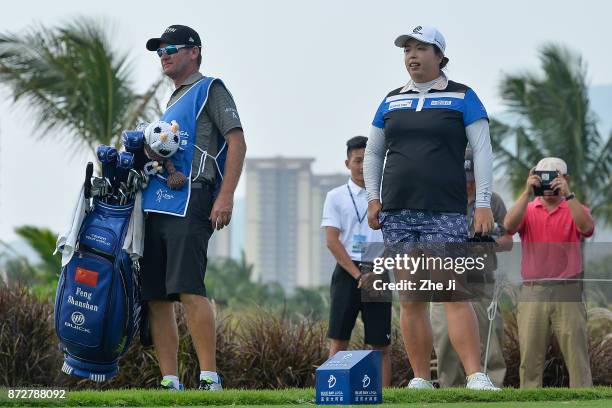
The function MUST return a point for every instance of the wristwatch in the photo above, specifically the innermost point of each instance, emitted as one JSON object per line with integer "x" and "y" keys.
{"x": 570, "y": 196}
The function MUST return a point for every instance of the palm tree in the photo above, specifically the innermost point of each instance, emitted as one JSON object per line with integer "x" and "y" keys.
{"x": 17, "y": 267}
{"x": 78, "y": 87}
{"x": 550, "y": 116}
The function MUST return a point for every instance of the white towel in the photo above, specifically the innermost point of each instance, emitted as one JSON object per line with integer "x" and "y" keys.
{"x": 66, "y": 242}
{"x": 134, "y": 238}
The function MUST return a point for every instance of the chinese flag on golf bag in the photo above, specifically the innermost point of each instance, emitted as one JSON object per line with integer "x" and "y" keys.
{"x": 97, "y": 308}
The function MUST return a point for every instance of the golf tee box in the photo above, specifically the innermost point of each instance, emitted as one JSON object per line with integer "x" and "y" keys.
{"x": 350, "y": 377}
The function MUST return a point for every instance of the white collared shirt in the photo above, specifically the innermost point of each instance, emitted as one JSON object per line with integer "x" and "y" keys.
{"x": 439, "y": 84}
{"x": 339, "y": 212}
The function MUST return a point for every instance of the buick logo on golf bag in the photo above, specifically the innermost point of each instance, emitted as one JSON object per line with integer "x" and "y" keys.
{"x": 77, "y": 318}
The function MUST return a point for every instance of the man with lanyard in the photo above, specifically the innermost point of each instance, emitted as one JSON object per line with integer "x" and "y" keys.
{"x": 351, "y": 241}
{"x": 482, "y": 283}
{"x": 180, "y": 222}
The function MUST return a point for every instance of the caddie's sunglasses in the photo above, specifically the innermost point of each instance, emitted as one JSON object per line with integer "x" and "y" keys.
{"x": 172, "y": 49}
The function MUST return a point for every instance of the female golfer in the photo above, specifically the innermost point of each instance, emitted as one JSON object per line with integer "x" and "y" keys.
{"x": 415, "y": 180}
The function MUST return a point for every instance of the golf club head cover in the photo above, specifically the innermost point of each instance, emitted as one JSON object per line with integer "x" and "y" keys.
{"x": 152, "y": 168}
{"x": 108, "y": 158}
{"x": 124, "y": 164}
{"x": 133, "y": 140}
{"x": 176, "y": 179}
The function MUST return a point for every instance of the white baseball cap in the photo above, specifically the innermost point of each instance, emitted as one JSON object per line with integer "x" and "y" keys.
{"x": 426, "y": 34}
{"x": 552, "y": 164}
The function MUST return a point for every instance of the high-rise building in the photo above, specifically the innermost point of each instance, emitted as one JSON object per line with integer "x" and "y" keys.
{"x": 278, "y": 220}
{"x": 323, "y": 260}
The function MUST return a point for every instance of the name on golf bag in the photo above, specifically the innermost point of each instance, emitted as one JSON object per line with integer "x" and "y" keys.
{"x": 350, "y": 377}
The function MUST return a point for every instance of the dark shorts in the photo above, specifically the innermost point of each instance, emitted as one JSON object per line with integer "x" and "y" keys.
{"x": 434, "y": 237}
{"x": 174, "y": 259}
{"x": 346, "y": 303}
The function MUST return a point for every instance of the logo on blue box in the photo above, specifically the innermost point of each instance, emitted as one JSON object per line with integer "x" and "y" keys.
{"x": 350, "y": 377}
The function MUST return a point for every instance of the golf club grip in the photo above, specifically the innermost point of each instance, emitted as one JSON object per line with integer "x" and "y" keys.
{"x": 88, "y": 175}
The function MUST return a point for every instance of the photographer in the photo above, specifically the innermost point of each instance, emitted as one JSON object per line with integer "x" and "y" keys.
{"x": 551, "y": 227}
{"x": 482, "y": 283}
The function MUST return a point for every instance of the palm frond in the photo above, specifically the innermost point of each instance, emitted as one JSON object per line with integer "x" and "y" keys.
{"x": 77, "y": 87}
{"x": 553, "y": 118}
{"x": 148, "y": 106}
{"x": 42, "y": 240}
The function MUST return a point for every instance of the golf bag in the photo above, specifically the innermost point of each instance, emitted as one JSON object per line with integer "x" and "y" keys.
{"x": 97, "y": 307}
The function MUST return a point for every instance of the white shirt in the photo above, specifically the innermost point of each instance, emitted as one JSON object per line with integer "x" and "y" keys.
{"x": 340, "y": 212}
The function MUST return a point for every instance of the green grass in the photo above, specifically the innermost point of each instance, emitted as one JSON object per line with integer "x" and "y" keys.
{"x": 446, "y": 398}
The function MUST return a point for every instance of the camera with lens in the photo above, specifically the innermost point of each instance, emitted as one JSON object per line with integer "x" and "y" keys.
{"x": 547, "y": 178}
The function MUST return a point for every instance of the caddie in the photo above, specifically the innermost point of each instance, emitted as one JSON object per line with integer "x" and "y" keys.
{"x": 180, "y": 222}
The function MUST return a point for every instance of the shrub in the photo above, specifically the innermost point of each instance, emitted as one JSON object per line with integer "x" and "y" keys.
{"x": 255, "y": 350}
{"x": 28, "y": 351}
{"x": 276, "y": 352}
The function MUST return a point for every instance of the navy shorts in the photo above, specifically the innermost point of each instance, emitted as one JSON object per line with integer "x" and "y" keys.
{"x": 174, "y": 259}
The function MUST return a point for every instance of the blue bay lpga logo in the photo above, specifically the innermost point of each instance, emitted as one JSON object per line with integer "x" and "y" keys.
{"x": 162, "y": 195}
{"x": 365, "y": 381}
{"x": 331, "y": 382}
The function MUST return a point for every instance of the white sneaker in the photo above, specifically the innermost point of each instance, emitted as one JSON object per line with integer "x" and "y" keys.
{"x": 208, "y": 384}
{"x": 420, "y": 384}
{"x": 171, "y": 385}
{"x": 480, "y": 381}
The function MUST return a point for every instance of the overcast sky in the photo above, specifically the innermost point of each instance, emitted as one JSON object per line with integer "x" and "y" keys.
{"x": 306, "y": 75}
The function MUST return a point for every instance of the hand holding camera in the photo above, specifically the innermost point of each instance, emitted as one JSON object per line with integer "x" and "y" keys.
{"x": 533, "y": 182}
{"x": 559, "y": 184}
{"x": 546, "y": 183}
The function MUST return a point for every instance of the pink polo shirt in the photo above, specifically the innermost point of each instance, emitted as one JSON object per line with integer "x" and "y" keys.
{"x": 550, "y": 242}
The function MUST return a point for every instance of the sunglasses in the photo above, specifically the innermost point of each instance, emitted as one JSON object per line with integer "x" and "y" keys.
{"x": 172, "y": 49}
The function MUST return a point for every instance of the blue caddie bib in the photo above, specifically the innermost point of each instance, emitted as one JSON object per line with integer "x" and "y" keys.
{"x": 158, "y": 197}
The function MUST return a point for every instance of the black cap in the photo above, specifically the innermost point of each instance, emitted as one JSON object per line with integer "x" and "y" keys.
{"x": 175, "y": 35}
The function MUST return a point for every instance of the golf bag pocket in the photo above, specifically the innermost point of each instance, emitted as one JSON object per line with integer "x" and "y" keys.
{"x": 99, "y": 239}
{"x": 85, "y": 295}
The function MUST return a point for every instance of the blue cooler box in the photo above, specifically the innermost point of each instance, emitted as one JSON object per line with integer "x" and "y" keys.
{"x": 350, "y": 377}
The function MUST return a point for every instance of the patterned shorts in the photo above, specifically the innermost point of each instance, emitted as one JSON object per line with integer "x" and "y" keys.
{"x": 420, "y": 233}
{"x": 412, "y": 226}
